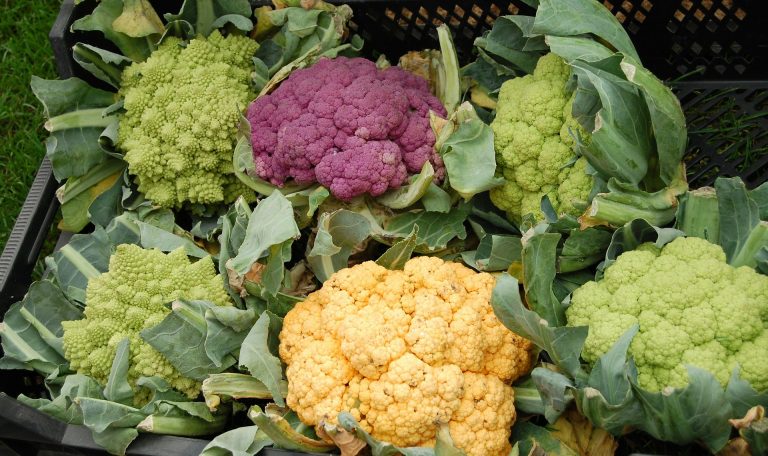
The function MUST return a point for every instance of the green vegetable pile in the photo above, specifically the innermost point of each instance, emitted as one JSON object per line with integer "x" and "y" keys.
{"x": 520, "y": 270}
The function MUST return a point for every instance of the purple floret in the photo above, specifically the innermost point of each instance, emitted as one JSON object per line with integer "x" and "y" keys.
{"x": 346, "y": 124}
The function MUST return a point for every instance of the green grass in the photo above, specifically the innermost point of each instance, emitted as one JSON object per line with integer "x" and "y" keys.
{"x": 24, "y": 51}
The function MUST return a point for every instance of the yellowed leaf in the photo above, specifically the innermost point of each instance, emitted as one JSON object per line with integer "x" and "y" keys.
{"x": 575, "y": 431}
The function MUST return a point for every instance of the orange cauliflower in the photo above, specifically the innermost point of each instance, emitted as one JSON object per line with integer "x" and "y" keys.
{"x": 404, "y": 352}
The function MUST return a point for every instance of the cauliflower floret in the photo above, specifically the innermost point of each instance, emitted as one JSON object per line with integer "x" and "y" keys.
{"x": 405, "y": 352}
{"x": 182, "y": 110}
{"x": 346, "y": 124}
{"x": 534, "y": 147}
{"x": 692, "y": 308}
{"x": 131, "y": 296}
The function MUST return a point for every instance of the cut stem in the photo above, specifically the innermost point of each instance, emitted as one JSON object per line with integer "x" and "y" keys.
{"x": 698, "y": 214}
{"x": 185, "y": 426}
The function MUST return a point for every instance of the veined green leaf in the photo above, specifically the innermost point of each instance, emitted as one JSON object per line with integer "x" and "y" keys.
{"x": 379, "y": 448}
{"x": 279, "y": 430}
{"x": 260, "y": 362}
{"x": 436, "y": 229}
{"x": 271, "y": 223}
{"x": 539, "y": 269}
{"x": 84, "y": 257}
{"x": 118, "y": 389}
{"x": 396, "y": 256}
{"x": 243, "y": 441}
{"x": 102, "y": 18}
{"x": 338, "y": 234}
{"x": 73, "y": 146}
{"x": 206, "y": 15}
{"x": 578, "y": 17}
{"x": 187, "y": 322}
{"x": 153, "y": 237}
{"x": 470, "y": 158}
{"x": 62, "y": 406}
{"x": 409, "y": 194}
{"x": 112, "y": 424}
{"x": 105, "y": 65}
{"x": 563, "y": 344}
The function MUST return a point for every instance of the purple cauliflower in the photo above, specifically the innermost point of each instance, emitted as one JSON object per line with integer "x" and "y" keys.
{"x": 346, "y": 124}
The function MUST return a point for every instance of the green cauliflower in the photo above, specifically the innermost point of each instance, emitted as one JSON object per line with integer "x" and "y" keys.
{"x": 692, "y": 308}
{"x": 130, "y": 297}
{"x": 182, "y": 110}
{"x": 534, "y": 146}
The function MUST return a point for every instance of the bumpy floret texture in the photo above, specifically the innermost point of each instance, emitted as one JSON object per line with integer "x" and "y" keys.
{"x": 131, "y": 296}
{"x": 182, "y": 110}
{"x": 692, "y": 308}
{"x": 406, "y": 351}
{"x": 534, "y": 132}
{"x": 346, "y": 124}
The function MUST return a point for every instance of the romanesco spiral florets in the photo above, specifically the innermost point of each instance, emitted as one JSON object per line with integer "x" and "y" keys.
{"x": 182, "y": 109}
{"x": 130, "y": 297}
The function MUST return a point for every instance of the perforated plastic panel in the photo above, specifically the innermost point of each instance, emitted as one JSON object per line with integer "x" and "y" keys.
{"x": 728, "y": 131}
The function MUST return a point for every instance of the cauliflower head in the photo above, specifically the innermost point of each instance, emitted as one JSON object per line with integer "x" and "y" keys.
{"x": 131, "y": 296}
{"x": 692, "y": 308}
{"x": 182, "y": 110}
{"x": 346, "y": 124}
{"x": 533, "y": 139}
{"x": 404, "y": 351}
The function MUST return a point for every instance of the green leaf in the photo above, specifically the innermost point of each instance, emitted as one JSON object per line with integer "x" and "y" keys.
{"x": 226, "y": 386}
{"x": 84, "y": 257}
{"x": 555, "y": 391}
{"x": 631, "y": 235}
{"x": 510, "y": 48}
{"x": 608, "y": 400}
{"x": 583, "y": 248}
{"x": 256, "y": 357}
{"x": 528, "y": 436}
{"x": 206, "y": 15}
{"x": 698, "y": 412}
{"x": 280, "y": 431}
{"x": 742, "y": 396}
{"x": 563, "y": 344}
{"x": 577, "y": 17}
{"x": 667, "y": 118}
{"x": 379, "y": 448}
{"x": 435, "y": 229}
{"x": 409, "y": 194}
{"x": 270, "y": 223}
{"x": 62, "y": 406}
{"x": 449, "y": 86}
{"x": 73, "y": 110}
{"x": 621, "y": 140}
{"x": 153, "y": 237}
{"x": 186, "y": 322}
{"x": 118, "y": 389}
{"x": 539, "y": 269}
{"x": 338, "y": 234}
{"x": 112, "y": 425}
{"x": 33, "y": 342}
{"x": 396, "y": 256}
{"x": 444, "y": 445}
{"x": 226, "y": 331}
{"x": 243, "y": 441}
{"x": 103, "y": 64}
{"x": 102, "y": 18}
{"x": 739, "y": 214}
{"x": 571, "y": 48}
{"x": 436, "y": 199}
{"x": 496, "y": 252}
{"x": 79, "y": 193}
{"x": 233, "y": 228}
{"x": 470, "y": 158}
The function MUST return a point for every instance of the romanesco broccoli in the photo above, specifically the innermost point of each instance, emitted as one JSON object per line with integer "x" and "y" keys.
{"x": 182, "y": 109}
{"x": 691, "y": 307}
{"x": 132, "y": 296}
{"x": 534, "y": 145}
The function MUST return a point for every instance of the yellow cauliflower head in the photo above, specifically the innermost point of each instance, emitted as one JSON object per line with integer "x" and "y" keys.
{"x": 406, "y": 351}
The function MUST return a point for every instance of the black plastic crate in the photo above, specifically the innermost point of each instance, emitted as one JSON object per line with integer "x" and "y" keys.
{"x": 719, "y": 48}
